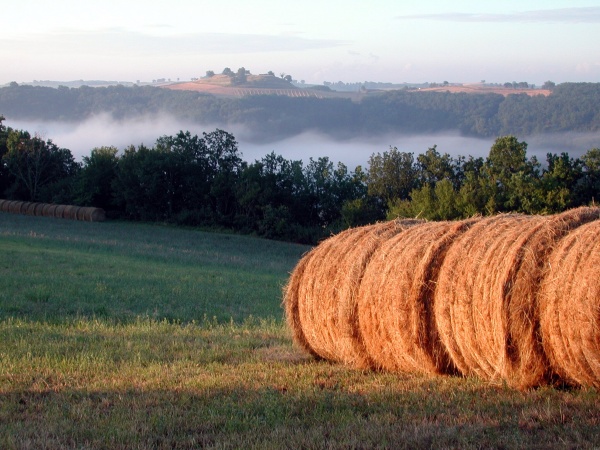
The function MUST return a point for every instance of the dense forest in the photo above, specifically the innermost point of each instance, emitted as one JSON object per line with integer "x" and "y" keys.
{"x": 570, "y": 107}
{"x": 202, "y": 181}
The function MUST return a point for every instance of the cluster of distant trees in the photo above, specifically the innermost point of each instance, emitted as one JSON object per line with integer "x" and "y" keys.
{"x": 202, "y": 181}
{"x": 571, "y": 107}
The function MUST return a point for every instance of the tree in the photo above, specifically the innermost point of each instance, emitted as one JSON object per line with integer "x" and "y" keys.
{"x": 558, "y": 183}
{"x": 510, "y": 177}
{"x": 433, "y": 167}
{"x": 38, "y": 170}
{"x": 94, "y": 181}
{"x": 240, "y": 76}
{"x": 550, "y": 85}
{"x": 392, "y": 175}
{"x": 210, "y": 73}
{"x": 4, "y": 131}
{"x": 588, "y": 188}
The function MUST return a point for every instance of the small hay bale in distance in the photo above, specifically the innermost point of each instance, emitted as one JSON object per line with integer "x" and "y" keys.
{"x": 96, "y": 215}
{"x": 15, "y": 207}
{"x": 30, "y": 210}
{"x": 70, "y": 212}
{"x": 570, "y": 307}
{"x": 2, "y": 203}
{"x": 49, "y": 210}
{"x": 59, "y": 212}
{"x": 39, "y": 209}
{"x": 395, "y": 301}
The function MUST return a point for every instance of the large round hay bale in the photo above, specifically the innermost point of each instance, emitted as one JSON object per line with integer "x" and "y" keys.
{"x": 570, "y": 307}
{"x": 3, "y": 205}
{"x": 345, "y": 335}
{"x": 320, "y": 298}
{"x": 487, "y": 296}
{"x": 291, "y": 302}
{"x": 395, "y": 301}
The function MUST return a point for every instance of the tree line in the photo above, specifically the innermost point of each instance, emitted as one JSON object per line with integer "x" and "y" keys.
{"x": 201, "y": 180}
{"x": 570, "y": 107}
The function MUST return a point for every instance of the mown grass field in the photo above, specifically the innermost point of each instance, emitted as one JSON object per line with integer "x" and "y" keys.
{"x": 121, "y": 335}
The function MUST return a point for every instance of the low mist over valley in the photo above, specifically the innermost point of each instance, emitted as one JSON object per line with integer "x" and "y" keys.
{"x": 104, "y": 130}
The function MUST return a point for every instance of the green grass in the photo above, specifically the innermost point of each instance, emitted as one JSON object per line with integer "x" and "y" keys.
{"x": 123, "y": 336}
{"x": 57, "y": 269}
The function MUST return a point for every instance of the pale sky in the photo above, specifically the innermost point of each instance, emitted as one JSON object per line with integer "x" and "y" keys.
{"x": 327, "y": 40}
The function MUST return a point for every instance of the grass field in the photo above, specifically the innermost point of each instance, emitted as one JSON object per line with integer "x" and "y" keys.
{"x": 121, "y": 335}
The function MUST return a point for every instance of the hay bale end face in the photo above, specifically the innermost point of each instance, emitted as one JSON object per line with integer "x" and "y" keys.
{"x": 320, "y": 298}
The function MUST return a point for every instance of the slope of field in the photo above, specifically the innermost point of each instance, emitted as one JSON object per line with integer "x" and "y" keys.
{"x": 222, "y": 85}
{"x": 482, "y": 89}
{"x": 58, "y": 269}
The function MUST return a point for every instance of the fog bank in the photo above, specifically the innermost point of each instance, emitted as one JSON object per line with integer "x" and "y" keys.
{"x": 102, "y": 130}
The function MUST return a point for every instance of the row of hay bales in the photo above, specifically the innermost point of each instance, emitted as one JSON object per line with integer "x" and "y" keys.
{"x": 88, "y": 214}
{"x": 509, "y": 298}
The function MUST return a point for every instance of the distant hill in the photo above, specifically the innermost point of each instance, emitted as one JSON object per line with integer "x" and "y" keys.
{"x": 272, "y": 108}
{"x": 227, "y": 86}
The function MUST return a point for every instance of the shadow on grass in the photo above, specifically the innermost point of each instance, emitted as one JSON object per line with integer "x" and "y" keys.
{"x": 324, "y": 415}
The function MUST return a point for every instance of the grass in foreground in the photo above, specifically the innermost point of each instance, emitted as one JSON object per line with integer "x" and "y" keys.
{"x": 172, "y": 376}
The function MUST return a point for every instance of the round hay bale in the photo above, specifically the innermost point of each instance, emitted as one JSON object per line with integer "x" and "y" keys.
{"x": 48, "y": 210}
{"x": 3, "y": 205}
{"x": 31, "y": 209}
{"x": 314, "y": 281}
{"x": 322, "y": 299}
{"x": 570, "y": 307}
{"x": 39, "y": 209}
{"x": 345, "y": 334}
{"x": 59, "y": 212}
{"x": 395, "y": 301}
{"x": 70, "y": 212}
{"x": 85, "y": 213}
{"x": 14, "y": 207}
{"x": 81, "y": 213}
{"x": 96, "y": 215}
{"x": 487, "y": 296}
{"x": 291, "y": 301}
{"x": 22, "y": 208}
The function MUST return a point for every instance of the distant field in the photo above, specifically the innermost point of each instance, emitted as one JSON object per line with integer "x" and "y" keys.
{"x": 482, "y": 89}
{"x": 260, "y": 85}
{"x": 125, "y": 335}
